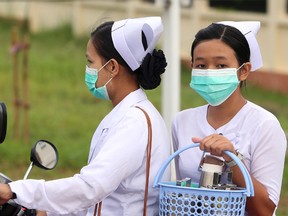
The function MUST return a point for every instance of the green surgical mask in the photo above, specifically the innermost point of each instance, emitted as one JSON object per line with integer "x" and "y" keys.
{"x": 91, "y": 76}
{"x": 215, "y": 85}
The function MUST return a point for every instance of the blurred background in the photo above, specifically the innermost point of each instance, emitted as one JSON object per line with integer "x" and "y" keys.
{"x": 42, "y": 65}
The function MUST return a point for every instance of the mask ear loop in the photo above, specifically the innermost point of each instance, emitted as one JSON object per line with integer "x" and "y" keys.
{"x": 104, "y": 65}
{"x": 242, "y": 82}
{"x": 107, "y": 84}
{"x": 241, "y": 66}
{"x": 102, "y": 68}
{"x": 108, "y": 81}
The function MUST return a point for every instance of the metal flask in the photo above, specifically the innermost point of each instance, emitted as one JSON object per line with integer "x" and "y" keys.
{"x": 213, "y": 174}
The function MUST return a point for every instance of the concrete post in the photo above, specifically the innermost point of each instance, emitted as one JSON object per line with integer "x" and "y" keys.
{"x": 171, "y": 79}
{"x": 275, "y": 11}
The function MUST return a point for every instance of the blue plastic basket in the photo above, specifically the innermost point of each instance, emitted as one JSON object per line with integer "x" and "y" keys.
{"x": 187, "y": 201}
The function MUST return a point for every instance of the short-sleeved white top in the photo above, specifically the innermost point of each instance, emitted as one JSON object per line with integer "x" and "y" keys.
{"x": 254, "y": 131}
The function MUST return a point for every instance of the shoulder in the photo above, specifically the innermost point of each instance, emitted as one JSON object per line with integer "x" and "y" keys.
{"x": 136, "y": 113}
{"x": 140, "y": 111}
{"x": 260, "y": 113}
{"x": 187, "y": 114}
{"x": 263, "y": 121}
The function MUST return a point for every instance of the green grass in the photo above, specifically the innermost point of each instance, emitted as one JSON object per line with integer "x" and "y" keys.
{"x": 61, "y": 108}
{"x": 63, "y": 111}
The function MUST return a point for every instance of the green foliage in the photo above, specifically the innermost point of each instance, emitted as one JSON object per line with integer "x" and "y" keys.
{"x": 61, "y": 108}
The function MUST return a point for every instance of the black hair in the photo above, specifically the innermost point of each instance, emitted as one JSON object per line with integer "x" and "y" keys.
{"x": 152, "y": 66}
{"x": 229, "y": 35}
{"x": 102, "y": 41}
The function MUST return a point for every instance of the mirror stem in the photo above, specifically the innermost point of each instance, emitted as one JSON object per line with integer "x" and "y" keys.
{"x": 28, "y": 171}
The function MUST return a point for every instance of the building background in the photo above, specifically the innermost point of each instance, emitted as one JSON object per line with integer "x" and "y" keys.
{"x": 84, "y": 15}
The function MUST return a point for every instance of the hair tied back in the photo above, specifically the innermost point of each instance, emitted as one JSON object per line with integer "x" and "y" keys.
{"x": 153, "y": 66}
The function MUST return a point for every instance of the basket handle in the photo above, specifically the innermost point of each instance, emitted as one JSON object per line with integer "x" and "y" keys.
{"x": 245, "y": 173}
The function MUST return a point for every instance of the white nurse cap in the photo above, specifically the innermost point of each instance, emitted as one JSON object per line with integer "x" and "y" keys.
{"x": 249, "y": 29}
{"x": 127, "y": 38}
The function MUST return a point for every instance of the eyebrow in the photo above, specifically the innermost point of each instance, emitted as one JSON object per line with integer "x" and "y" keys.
{"x": 217, "y": 57}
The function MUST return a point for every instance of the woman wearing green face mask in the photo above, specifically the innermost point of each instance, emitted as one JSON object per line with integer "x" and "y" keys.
{"x": 223, "y": 54}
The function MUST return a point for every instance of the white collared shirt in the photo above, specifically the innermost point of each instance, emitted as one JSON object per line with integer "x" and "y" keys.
{"x": 254, "y": 131}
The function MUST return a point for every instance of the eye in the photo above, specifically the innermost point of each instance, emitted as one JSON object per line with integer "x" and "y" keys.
{"x": 221, "y": 66}
{"x": 89, "y": 62}
{"x": 200, "y": 66}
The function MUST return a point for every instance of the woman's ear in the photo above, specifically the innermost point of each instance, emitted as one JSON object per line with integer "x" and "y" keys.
{"x": 114, "y": 67}
{"x": 245, "y": 71}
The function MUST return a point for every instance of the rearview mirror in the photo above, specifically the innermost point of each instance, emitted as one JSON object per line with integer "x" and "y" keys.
{"x": 3, "y": 122}
{"x": 44, "y": 155}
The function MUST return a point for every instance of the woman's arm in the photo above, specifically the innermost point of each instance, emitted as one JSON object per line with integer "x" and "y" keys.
{"x": 259, "y": 204}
